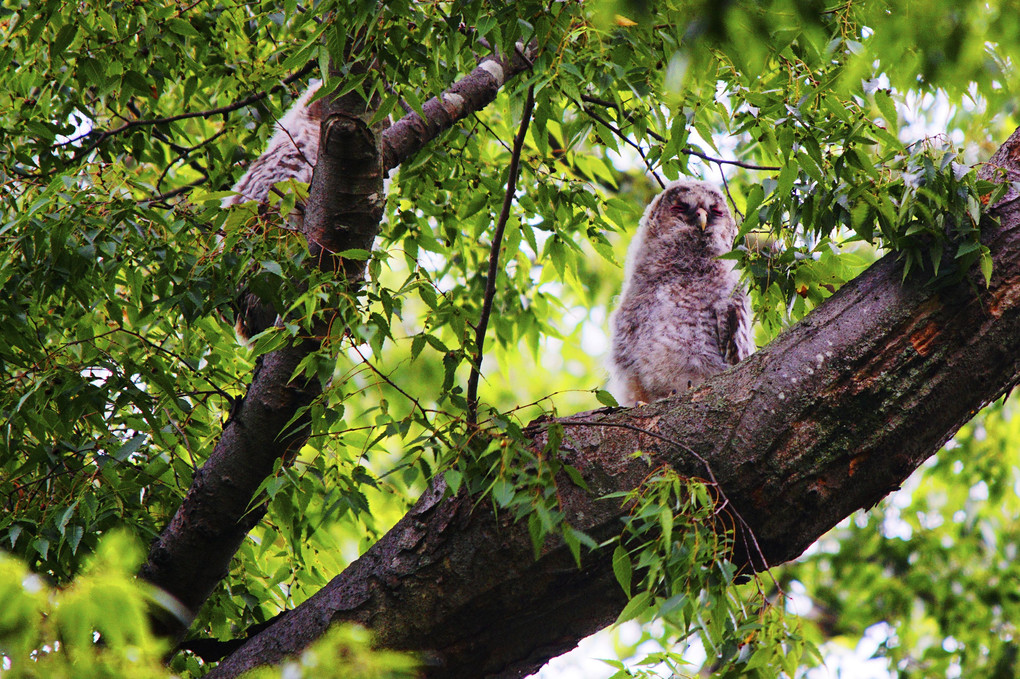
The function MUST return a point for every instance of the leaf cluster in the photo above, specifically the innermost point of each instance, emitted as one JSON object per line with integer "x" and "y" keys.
{"x": 929, "y": 570}
{"x": 671, "y": 560}
{"x": 123, "y": 128}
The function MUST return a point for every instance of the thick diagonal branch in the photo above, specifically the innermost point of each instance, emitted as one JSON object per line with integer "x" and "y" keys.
{"x": 828, "y": 419}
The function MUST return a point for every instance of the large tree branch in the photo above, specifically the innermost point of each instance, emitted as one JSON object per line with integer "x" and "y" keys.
{"x": 828, "y": 419}
{"x": 193, "y": 553}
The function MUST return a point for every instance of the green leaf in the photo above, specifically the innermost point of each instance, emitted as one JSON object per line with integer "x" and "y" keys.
{"x": 666, "y": 522}
{"x": 64, "y": 38}
{"x": 986, "y": 266}
{"x": 453, "y": 479}
{"x": 575, "y": 476}
{"x": 622, "y": 568}
{"x": 638, "y": 605}
{"x": 887, "y": 107}
{"x": 272, "y": 267}
{"x": 130, "y": 447}
{"x": 503, "y": 492}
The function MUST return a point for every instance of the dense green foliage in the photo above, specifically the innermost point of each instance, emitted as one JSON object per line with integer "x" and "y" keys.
{"x": 120, "y": 134}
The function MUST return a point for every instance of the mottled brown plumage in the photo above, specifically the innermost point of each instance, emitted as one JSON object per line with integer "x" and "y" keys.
{"x": 683, "y": 314}
{"x": 291, "y": 154}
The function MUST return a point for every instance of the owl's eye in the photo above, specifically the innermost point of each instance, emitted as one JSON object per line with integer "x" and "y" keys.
{"x": 680, "y": 208}
{"x": 717, "y": 211}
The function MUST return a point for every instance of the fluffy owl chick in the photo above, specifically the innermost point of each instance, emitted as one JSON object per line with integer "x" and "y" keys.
{"x": 683, "y": 314}
{"x": 291, "y": 154}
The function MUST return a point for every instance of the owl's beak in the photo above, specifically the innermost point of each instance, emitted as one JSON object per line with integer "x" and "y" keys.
{"x": 702, "y": 217}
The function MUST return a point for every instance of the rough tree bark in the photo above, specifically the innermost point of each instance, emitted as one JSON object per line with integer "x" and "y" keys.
{"x": 828, "y": 419}
{"x": 193, "y": 553}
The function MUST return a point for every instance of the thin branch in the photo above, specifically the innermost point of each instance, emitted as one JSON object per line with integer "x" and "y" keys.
{"x": 619, "y": 133}
{"x": 726, "y": 188}
{"x": 182, "y": 151}
{"x": 179, "y": 190}
{"x": 251, "y": 99}
{"x": 659, "y": 138}
{"x": 497, "y": 243}
{"x": 738, "y": 163}
{"x": 182, "y": 155}
{"x": 629, "y": 117}
{"x": 387, "y": 380}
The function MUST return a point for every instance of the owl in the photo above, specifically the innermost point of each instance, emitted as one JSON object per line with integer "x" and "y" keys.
{"x": 291, "y": 154}
{"x": 683, "y": 314}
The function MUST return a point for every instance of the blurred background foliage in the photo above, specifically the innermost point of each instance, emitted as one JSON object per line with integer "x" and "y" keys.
{"x": 840, "y": 131}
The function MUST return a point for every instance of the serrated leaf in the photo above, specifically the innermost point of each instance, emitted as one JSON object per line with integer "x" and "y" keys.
{"x": 502, "y": 492}
{"x": 575, "y": 476}
{"x": 130, "y": 447}
{"x": 573, "y": 544}
{"x": 635, "y": 607}
{"x": 65, "y": 517}
{"x": 74, "y": 536}
{"x": 887, "y": 107}
{"x": 967, "y": 247}
{"x": 453, "y": 479}
{"x": 272, "y": 267}
{"x": 14, "y": 533}
{"x": 183, "y": 28}
{"x": 417, "y": 344}
{"x": 622, "y": 568}
{"x": 64, "y": 38}
{"x": 666, "y": 523}
{"x": 784, "y": 182}
{"x": 536, "y": 532}
{"x": 986, "y": 267}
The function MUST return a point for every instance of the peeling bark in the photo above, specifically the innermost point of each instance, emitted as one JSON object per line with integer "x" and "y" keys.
{"x": 473, "y": 93}
{"x": 828, "y": 419}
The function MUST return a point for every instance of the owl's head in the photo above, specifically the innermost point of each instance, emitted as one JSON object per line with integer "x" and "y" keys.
{"x": 693, "y": 211}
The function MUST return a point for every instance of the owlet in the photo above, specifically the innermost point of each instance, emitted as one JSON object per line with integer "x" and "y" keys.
{"x": 291, "y": 154}
{"x": 683, "y": 314}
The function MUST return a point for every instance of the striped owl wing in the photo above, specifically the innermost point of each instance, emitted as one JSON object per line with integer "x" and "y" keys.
{"x": 735, "y": 341}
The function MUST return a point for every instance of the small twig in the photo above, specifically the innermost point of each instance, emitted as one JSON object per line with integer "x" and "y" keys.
{"x": 619, "y": 133}
{"x": 662, "y": 140}
{"x": 492, "y": 132}
{"x": 387, "y": 380}
{"x": 182, "y": 151}
{"x": 629, "y": 117}
{"x": 179, "y": 190}
{"x": 738, "y": 163}
{"x": 726, "y": 188}
{"x": 182, "y": 154}
{"x": 497, "y": 242}
{"x": 746, "y": 528}
{"x": 251, "y": 99}
{"x": 519, "y": 49}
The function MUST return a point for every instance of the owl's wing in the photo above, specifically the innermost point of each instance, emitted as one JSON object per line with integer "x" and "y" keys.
{"x": 735, "y": 329}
